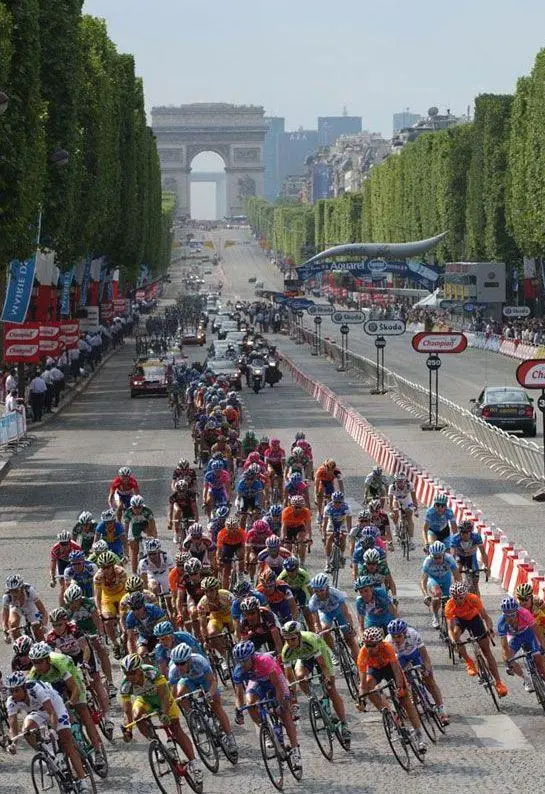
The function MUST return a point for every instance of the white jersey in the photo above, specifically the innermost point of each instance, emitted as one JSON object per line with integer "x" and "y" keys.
{"x": 38, "y": 693}
{"x": 400, "y": 493}
{"x": 30, "y": 596}
{"x": 411, "y": 643}
{"x": 147, "y": 566}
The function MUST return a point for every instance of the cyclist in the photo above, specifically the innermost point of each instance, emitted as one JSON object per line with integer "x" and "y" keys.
{"x": 327, "y": 475}
{"x": 256, "y": 540}
{"x": 295, "y": 485}
{"x": 298, "y": 462}
{"x": 370, "y": 539}
{"x": 273, "y": 555}
{"x": 167, "y": 640}
{"x": 198, "y": 544}
{"x": 439, "y": 522}
{"x": 21, "y": 660}
{"x": 464, "y": 547}
{"x": 259, "y": 624}
{"x": 43, "y": 707}
{"x": 182, "y": 506}
{"x": 465, "y": 611}
{"x": 275, "y": 458}
{"x": 411, "y": 651}
{"x": 230, "y": 546}
{"x": 121, "y": 489}
{"x": 217, "y": 487}
{"x": 374, "y": 607}
{"x": 214, "y": 611}
{"x": 379, "y": 518}
{"x": 83, "y": 612}
{"x": 184, "y": 471}
{"x": 296, "y": 526}
{"x": 21, "y": 603}
{"x": 297, "y": 579}
{"x": 516, "y": 630}
{"x": 84, "y": 531}
{"x": 302, "y": 443}
{"x": 110, "y": 582}
{"x": 81, "y": 572}
{"x": 249, "y": 443}
{"x": 250, "y": 490}
{"x": 140, "y": 621}
{"x": 337, "y": 522}
{"x": 138, "y": 520}
{"x": 377, "y": 661}
{"x": 144, "y": 690}
{"x": 279, "y": 596}
{"x": 355, "y": 534}
{"x": 375, "y": 486}
{"x": 189, "y": 671}
{"x": 376, "y": 567}
{"x": 309, "y": 653}
{"x": 527, "y": 599}
{"x": 402, "y": 498}
{"x": 99, "y": 548}
{"x": 273, "y": 517}
{"x": 262, "y": 678}
{"x": 153, "y": 568}
{"x": 185, "y": 581}
{"x": 439, "y": 570}
{"x": 243, "y": 589}
{"x": 61, "y": 672}
{"x": 113, "y": 533}
{"x": 60, "y": 559}
{"x": 331, "y": 607}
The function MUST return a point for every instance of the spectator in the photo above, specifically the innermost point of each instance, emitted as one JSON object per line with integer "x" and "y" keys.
{"x": 47, "y": 378}
{"x": 37, "y": 389}
{"x": 12, "y": 403}
{"x": 58, "y": 384}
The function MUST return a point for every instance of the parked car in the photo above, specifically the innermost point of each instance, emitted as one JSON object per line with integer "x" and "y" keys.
{"x": 507, "y": 407}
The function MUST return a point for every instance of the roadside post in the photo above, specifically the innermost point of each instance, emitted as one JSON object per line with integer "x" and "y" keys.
{"x": 345, "y": 319}
{"x": 379, "y": 329}
{"x": 433, "y": 343}
{"x": 316, "y": 312}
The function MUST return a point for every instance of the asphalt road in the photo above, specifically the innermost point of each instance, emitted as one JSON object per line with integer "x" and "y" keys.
{"x": 70, "y": 468}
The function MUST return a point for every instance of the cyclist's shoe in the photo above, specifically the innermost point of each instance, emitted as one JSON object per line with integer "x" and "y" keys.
{"x": 230, "y": 743}
{"x": 195, "y": 770}
{"x": 334, "y": 658}
{"x": 390, "y": 546}
{"x": 100, "y": 761}
{"x": 443, "y": 716}
{"x": 501, "y": 689}
{"x": 109, "y": 727}
{"x": 345, "y": 731}
{"x": 435, "y": 622}
{"x": 82, "y": 786}
{"x": 295, "y": 757}
{"x": 295, "y": 711}
{"x": 412, "y": 545}
{"x": 112, "y": 690}
{"x": 528, "y": 685}
{"x": 117, "y": 651}
{"x": 327, "y": 569}
{"x": 420, "y": 743}
{"x": 471, "y": 668}
{"x": 269, "y": 743}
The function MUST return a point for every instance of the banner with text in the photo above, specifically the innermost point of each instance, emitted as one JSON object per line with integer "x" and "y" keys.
{"x": 22, "y": 343}
{"x": 19, "y": 290}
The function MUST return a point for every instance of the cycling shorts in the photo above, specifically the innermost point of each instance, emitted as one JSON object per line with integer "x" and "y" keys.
{"x": 192, "y": 684}
{"x": 217, "y": 621}
{"x": 161, "y": 579}
{"x": 153, "y": 703}
{"x": 62, "y": 565}
{"x": 300, "y": 596}
{"x": 29, "y": 611}
{"x": 310, "y": 666}
{"x": 41, "y": 719}
{"x": 249, "y": 502}
{"x": 262, "y": 690}
{"x": 526, "y": 640}
{"x": 229, "y": 551}
{"x": 474, "y": 625}
{"x": 404, "y": 502}
{"x": 282, "y": 610}
{"x": 109, "y": 605}
{"x": 444, "y": 585}
{"x": 413, "y": 658}
{"x": 379, "y": 674}
{"x": 326, "y": 487}
{"x": 293, "y": 532}
{"x": 328, "y": 618}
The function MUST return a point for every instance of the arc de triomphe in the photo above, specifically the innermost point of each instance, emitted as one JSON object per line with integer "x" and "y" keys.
{"x": 235, "y": 132}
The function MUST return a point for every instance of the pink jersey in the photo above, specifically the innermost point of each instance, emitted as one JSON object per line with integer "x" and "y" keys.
{"x": 274, "y": 454}
{"x": 257, "y": 539}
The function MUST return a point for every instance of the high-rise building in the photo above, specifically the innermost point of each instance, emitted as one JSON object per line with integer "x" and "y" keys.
{"x": 271, "y": 155}
{"x": 332, "y": 127}
{"x": 295, "y": 147}
{"x": 404, "y": 119}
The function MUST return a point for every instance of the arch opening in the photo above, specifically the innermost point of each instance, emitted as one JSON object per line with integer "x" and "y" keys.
{"x": 208, "y": 186}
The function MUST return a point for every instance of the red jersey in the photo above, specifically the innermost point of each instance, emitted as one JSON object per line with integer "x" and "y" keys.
{"x": 62, "y": 552}
{"x": 130, "y": 486}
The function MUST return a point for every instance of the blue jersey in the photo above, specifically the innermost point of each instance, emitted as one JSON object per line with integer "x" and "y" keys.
{"x": 199, "y": 668}
{"x": 438, "y": 521}
{"x": 440, "y": 570}
{"x": 337, "y": 514}
{"x": 144, "y": 626}
{"x": 334, "y": 600}
{"x": 379, "y": 611}
{"x": 112, "y": 536}
{"x": 249, "y": 488}
{"x": 162, "y": 654}
{"x": 235, "y": 606}
{"x": 466, "y": 549}
{"x": 83, "y": 578}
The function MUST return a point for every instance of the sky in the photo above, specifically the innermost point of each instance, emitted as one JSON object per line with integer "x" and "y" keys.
{"x": 306, "y": 58}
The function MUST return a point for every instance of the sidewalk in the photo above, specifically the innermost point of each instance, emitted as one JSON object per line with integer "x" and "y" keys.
{"x": 513, "y": 512}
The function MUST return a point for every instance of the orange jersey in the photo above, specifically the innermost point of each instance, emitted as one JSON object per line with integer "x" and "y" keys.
{"x": 385, "y": 656}
{"x": 469, "y": 609}
{"x": 296, "y": 519}
{"x": 230, "y": 538}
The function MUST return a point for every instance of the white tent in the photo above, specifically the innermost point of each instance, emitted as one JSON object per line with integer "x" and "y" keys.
{"x": 431, "y": 301}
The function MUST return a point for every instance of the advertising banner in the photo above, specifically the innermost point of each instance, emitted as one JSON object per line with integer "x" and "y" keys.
{"x": 85, "y": 281}
{"x": 19, "y": 290}
{"x": 69, "y": 333}
{"x": 50, "y": 339}
{"x": 65, "y": 284}
{"x": 22, "y": 343}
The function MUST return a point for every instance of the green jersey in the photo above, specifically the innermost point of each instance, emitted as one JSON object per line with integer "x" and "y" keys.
{"x": 310, "y": 648}
{"x": 84, "y": 535}
{"x": 83, "y": 617}
{"x": 147, "y": 690}
{"x": 380, "y": 575}
{"x": 61, "y": 669}
{"x": 296, "y": 580}
{"x": 138, "y": 522}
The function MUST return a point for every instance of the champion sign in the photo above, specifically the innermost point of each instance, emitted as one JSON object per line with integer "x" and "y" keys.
{"x": 531, "y": 373}
{"x": 436, "y": 342}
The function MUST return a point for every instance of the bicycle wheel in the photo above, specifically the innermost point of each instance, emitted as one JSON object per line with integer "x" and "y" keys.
{"x": 271, "y": 756}
{"x": 425, "y": 710}
{"x": 334, "y": 565}
{"x": 45, "y": 776}
{"x": 203, "y": 740}
{"x": 221, "y": 670}
{"x": 320, "y": 728}
{"x": 163, "y": 769}
{"x": 97, "y": 716}
{"x": 90, "y": 776}
{"x": 231, "y": 755}
{"x": 349, "y": 670}
{"x": 396, "y": 740}
{"x": 539, "y": 688}
{"x": 485, "y": 678}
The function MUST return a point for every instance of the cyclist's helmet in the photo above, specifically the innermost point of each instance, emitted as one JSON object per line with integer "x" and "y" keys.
{"x": 232, "y": 523}
{"x": 253, "y": 457}
{"x": 275, "y": 442}
{"x": 134, "y": 584}
{"x": 85, "y": 517}
{"x": 181, "y": 485}
{"x": 297, "y": 501}
{"x": 260, "y": 526}
{"x": 375, "y": 505}
{"x": 163, "y": 629}
{"x": 107, "y": 515}
{"x": 337, "y": 496}
{"x": 300, "y": 435}
{"x": 364, "y": 515}
{"x": 319, "y": 582}
{"x": 153, "y": 544}
{"x": 72, "y": 593}
{"x": 397, "y": 626}
{"x": 242, "y": 588}
{"x": 16, "y": 680}
{"x": 364, "y": 581}
{"x": 192, "y": 566}
{"x": 124, "y": 471}
{"x": 100, "y": 547}
{"x": 58, "y": 614}
{"x": 371, "y": 557}
{"x": 210, "y": 583}
{"x": 195, "y": 530}
{"x": 458, "y": 589}
{"x": 291, "y": 629}
{"x": 40, "y": 650}
{"x": 295, "y": 478}
{"x": 273, "y": 542}
{"x": 248, "y": 474}
{"x": 437, "y": 548}
{"x": 181, "y": 654}
{"x": 377, "y": 471}
{"x": 216, "y": 465}
{"x": 465, "y": 526}
{"x": 106, "y": 559}
{"x": 510, "y": 604}
{"x": 367, "y": 542}
{"x": 291, "y": 563}
{"x": 183, "y": 463}
{"x": 243, "y": 650}
{"x": 264, "y": 440}
{"x": 64, "y": 536}
{"x": 267, "y": 577}
{"x": 255, "y": 468}
{"x": 297, "y": 453}
{"x": 524, "y": 591}
{"x": 441, "y": 500}
{"x": 372, "y": 635}
{"x": 76, "y": 556}
{"x": 275, "y": 511}
{"x": 250, "y": 604}
{"x": 221, "y": 512}
{"x": 370, "y": 531}
{"x": 182, "y": 557}
{"x": 137, "y": 500}
{"x": 22, "y": 645}
{"x": 131, "y": 663}
{"x": 136, "y": 600}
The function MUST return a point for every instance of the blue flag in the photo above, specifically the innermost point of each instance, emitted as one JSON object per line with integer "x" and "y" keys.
{"x": 66, "y": 283}
{"x": 19, "y": 290}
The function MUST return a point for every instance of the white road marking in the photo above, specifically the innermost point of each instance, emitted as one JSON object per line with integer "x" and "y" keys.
{"x": 514, "y": 499}
{"x": 497, "y": 732}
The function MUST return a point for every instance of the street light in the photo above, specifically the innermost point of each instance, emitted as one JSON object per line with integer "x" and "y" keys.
{"x": 4, "y": 102}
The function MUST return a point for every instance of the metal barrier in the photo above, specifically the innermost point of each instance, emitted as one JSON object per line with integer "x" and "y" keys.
{"x": 12, "y": 429}
{"x": 511, "y": 457}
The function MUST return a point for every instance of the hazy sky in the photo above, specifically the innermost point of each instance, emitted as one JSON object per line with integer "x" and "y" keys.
{"x": 305, "y": 58}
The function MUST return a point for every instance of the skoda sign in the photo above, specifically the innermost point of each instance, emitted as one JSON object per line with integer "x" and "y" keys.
{"x": 320, "y": 309}
{"x": 347, "y": 318}
{"x": 384, "y": 327}
{"x": 516, "y": 311}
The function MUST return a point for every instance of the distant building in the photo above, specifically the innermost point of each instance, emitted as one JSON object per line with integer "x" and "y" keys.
{"x": 271, "y": 155}
{"x": 295, "y": 148}
{"x": 404, "y": 119}
{"x": 332, "y": 127}
{"x": 295, "y": 187}
{"x": 432, "y": 123}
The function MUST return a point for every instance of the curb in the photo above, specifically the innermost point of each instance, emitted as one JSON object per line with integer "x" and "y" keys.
{"x": 508, "y": 563}
{"x": 5, "y": 466}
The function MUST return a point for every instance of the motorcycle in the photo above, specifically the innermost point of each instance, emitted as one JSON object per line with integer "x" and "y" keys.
{"x": 272, "y": 372}
{"x": 257, "y": 374}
